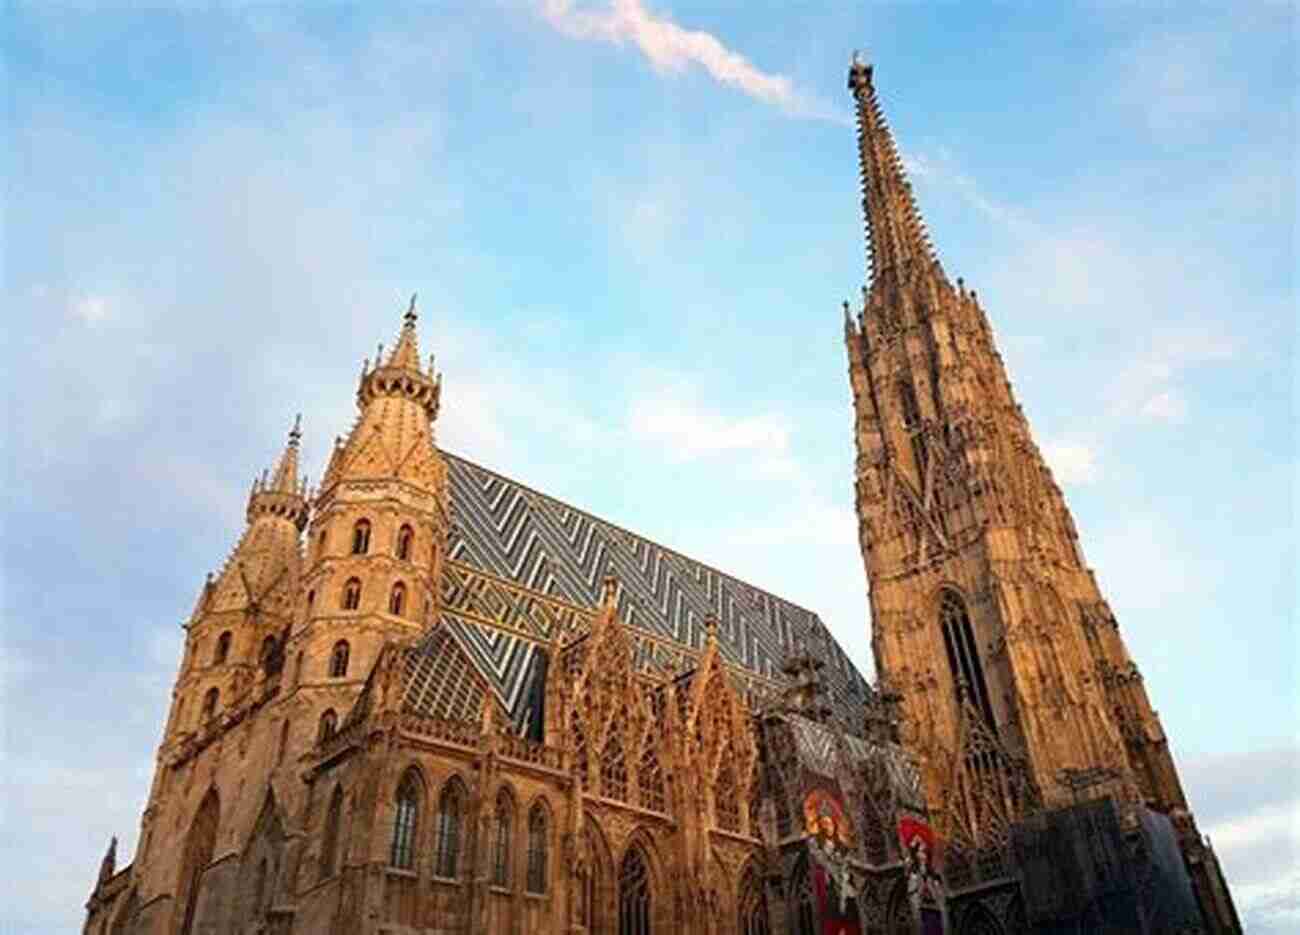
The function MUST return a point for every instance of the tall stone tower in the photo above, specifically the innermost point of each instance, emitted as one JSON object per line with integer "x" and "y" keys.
{"x": 378, "y": 531}
{"x": 1014, "y": 683}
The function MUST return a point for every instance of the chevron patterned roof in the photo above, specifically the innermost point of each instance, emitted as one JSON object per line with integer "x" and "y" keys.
{"x": 544, "y": 545}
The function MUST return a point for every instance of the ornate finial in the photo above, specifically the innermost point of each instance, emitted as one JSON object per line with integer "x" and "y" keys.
{"x": 295, "y": 433}
{"x": 608, "y": 590}
{"x": 710, "y": 628}
{"x": 408, "y": 320}
{"x": 379, "y": 354}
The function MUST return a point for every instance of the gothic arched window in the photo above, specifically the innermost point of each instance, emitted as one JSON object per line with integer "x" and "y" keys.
{"x": 270, "y": 657}
{"x": 196, "y": 855}
{"x": 329, "y": 723}
{"x": 613, "y": 770}
{"x": 361, "y": 537}
{"x": 633, "y": 894}
{"x": 912, "y": 422}
{"x": 223, "y": 649}
{"x": 339, "y": 659}
{"x": 450, "y": 806}
{"x": 405, "y": 821}
{"x": 962, "y": 652}
{"x": 352, "y": 594}
{"x": 330, "y": 836}
{"x": 537, "y": 849}
{"x": 397, "y": 599}
{"x": 650, "y": 778}
{"x": 505, "y": 814}
{"x": 405, "y": 536}
{"x": 210, "y": 702}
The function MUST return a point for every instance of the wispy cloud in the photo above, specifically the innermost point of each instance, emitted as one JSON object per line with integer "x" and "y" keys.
{"x": 687, "y": 430}
{"x": 673, "y": 48}
{"x": 1147, "y": 389}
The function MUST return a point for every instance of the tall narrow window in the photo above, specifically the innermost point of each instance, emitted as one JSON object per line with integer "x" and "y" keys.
{"x": 726, "y": 805}
{"x": 321, "y": 540}
{"x": 633, "y": 895}
{"x": 269, "y": 656}
{"x": 405, "y": 536}
{"x": 613, "y": 770}
{"x": 912, "y": 422}
{"x": 361, "y": 537}
{"x": 311, "y": 599}
{"x": 501, "y": 845}
{"x": 650, "y": 778}
{"x": 339, "y": 660}
{"x": 352, "y": 594}
{"x": 405, "y": 821}
{"x": 284, "y": 741}
{"x": 962, "y": 652}
{"x": 223, "y": 649}
{"x": 330, "y": 837}
{"x": 449, "y": 813}
{"x": 397, "y": 599}
{"x": 196, "y": 855}
{"x": 328, "y": 725}
{"x": 537, "y": 846}
{"x": 210, "y": 702}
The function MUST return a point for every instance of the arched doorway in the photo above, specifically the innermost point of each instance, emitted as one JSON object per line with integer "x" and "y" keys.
{"x": 197, "y": 854}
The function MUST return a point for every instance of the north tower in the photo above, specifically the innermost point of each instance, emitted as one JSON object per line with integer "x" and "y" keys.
{"x": 1013, "y": 682}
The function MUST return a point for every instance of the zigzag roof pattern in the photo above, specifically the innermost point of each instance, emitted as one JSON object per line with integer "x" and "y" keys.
{"x": 545, "y": 545}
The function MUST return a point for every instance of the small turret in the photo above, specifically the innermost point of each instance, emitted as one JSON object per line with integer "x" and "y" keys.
{"x": 282, "y": 494}
{"x": 400, "y": 374}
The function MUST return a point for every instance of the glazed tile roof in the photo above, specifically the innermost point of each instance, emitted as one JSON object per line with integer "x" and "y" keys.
{"x": 543, "y": 545}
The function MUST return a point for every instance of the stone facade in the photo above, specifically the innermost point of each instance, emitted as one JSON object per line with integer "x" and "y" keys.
{"x": 456, "y": 705}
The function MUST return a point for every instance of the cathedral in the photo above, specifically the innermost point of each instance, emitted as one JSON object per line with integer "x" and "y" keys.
{"x": 424, "y": 698}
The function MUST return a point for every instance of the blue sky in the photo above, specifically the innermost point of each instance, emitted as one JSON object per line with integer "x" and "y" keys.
{"x": 631, "y": 227}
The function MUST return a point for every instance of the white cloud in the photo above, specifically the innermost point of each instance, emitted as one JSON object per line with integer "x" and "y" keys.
{"x": 1072, "y": 463}
{"x": 1146, "y": 389}
{"x": 92, "y": 310}
{"x": 1167, "y": 406}
{"x": 672, "y": 48}
{"x": 688, "y": 431}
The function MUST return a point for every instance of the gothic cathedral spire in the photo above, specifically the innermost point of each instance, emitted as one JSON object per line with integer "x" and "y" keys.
{"x": 985, "y": 619}
{"x": 897, "y": 242}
